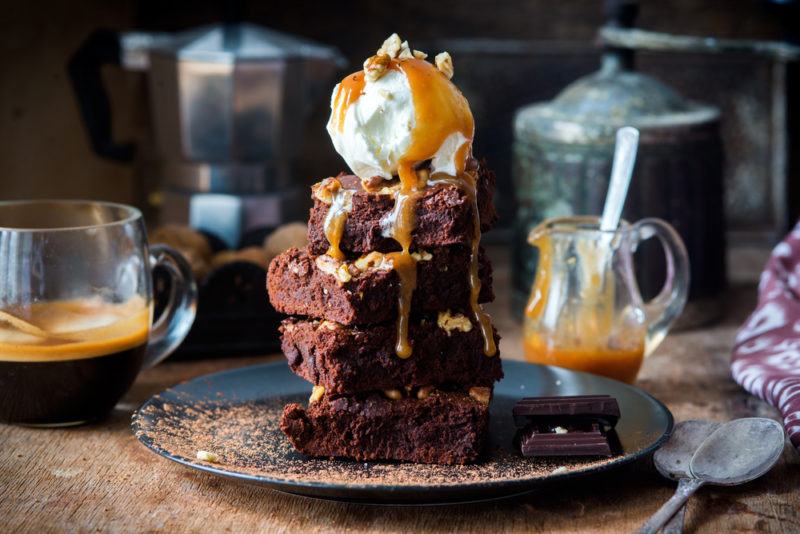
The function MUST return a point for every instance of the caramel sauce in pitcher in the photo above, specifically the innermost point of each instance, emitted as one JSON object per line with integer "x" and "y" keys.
{"x": 579, "y": 336}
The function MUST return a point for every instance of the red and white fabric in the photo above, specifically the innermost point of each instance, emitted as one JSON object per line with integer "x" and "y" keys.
{"x": 766, "y": 356}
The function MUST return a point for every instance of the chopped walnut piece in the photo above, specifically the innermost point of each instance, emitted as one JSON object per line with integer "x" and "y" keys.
{"x": 333, "y": 267}
{"x": 376, "y": 66}
{"x": 393, "y": 394}
{"x": 327, "y": 189}
{"x": 424, "y": 392}
{"x": 481, "y": 394}
{"x": 445, "y": 64}
{"x": 405, "y": 51}
{"x": 391, "y": 46}
{"x": 373, "y": 260}
{"x": 422, "y": 255}
{"x": 205, "y": 456}
{"x": 316, "y": 394}
{"x": 419, "y": 55}
{"x": 449, "y": 322}
{"x": 343, "y": 273}
{"x": 330, "y": 325}
{"x": 372, "y": 184}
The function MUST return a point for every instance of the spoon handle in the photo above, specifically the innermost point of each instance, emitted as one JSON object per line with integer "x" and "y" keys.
{"x": 658, "y": 519}
{"x": 675, "y": 525}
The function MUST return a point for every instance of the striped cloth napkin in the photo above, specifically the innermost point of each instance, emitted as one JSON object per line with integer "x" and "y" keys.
{"x": 766, "y": 357}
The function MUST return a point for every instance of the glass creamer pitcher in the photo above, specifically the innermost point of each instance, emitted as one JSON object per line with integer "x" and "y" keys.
{"x": 585, "y": 311}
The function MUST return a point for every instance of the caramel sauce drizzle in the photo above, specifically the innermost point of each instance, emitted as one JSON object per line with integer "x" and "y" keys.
{"x": 468, "y": 183}
{"x": 348, "y": 92}
{"x": 440, "y": 110}
{"x": 335, "y": 221}
{"x": 404, "y": 220}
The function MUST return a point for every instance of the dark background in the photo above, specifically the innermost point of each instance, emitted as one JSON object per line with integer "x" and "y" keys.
{"x": 544, "y": 45}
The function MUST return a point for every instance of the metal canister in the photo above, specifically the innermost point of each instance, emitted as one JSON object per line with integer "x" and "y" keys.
{"x": 562, "y": 159}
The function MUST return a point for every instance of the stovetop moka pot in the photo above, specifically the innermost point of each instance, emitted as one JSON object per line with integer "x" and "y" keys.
{"x": 228, "y": 106}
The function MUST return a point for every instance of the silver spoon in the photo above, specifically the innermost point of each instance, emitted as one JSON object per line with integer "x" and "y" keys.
{"x": 627, "y": 143}
{"x": 672, "y": 460}
{"x": 737, "y": 452}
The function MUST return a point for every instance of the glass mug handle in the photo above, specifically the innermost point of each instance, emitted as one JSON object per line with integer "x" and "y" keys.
{"x": 664, "y": 308}
{"x": 178, "y": 315}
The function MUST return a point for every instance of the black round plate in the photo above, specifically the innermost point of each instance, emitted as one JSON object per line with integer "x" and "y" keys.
{"x": 235, "y": 415}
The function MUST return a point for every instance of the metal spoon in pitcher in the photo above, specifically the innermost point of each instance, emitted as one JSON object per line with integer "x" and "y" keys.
{"x": 737, "y": 452}
{"x": 627, "y": 143}
{"x": 621, "y": 173}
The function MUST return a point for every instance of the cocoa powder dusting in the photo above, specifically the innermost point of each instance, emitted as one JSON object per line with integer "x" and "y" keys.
{"x": 246, "y": 439}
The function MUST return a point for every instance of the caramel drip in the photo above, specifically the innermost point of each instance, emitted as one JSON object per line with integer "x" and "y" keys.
{"x": 439, "y": 110}
{"x": 483, "y": 318}
{"x": 334, "y": 227}
{"x": 467, "y": 182}
{"x": 404, "y": 221}
{"x": 348, "y": 92}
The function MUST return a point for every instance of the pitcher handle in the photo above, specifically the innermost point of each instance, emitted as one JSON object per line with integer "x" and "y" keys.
{"x": 175, "y": 321}
{"x": 664, "y": 308}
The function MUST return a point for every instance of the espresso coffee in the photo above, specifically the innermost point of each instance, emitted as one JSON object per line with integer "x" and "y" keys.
{"x": 68, "y": 362}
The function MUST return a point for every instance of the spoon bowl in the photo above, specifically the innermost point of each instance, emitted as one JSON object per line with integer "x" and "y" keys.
{"x": 673, "y": 459}
{"x": 739, "y": 451}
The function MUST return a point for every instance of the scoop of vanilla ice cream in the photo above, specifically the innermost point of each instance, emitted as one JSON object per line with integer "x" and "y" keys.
{"x": 378, "y": 126}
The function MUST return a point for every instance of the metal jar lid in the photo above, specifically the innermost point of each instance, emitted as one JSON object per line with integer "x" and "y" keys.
{"x": 591, "y": 109}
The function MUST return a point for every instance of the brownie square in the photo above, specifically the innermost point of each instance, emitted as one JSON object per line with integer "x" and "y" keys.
{"x": 443, "y": 428}
{"x": 353, "y": 359}
{"x": 298, "y": 286}
{"x": 445, "y": 216}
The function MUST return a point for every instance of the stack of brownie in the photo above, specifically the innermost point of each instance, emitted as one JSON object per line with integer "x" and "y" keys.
{"x": 367, "y": 402}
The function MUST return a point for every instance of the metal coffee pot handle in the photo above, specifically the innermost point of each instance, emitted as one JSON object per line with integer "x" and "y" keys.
{"x": 106, "y": 47}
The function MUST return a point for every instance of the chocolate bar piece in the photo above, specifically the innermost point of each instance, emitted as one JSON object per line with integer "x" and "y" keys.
{"x": 563, "y": 411}
{"x": 560, "y": 441}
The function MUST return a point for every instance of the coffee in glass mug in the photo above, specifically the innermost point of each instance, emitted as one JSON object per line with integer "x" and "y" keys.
{"x": 76, "y": 306}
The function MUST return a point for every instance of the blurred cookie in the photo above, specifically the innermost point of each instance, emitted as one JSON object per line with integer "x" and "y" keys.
{"x": 285, "y": 237}
{"x": 192, "y": 245}
{"x": 255, "y": 255}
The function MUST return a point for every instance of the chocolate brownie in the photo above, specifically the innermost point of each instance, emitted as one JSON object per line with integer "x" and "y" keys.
{"x": 442, "y": 428}
{"x": 366, "y": 292}
{"x": 352, "y": 359}
{"x": 444, "y": 217}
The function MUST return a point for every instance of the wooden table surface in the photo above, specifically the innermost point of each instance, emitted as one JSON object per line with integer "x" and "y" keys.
{"x": 99, "y": 478}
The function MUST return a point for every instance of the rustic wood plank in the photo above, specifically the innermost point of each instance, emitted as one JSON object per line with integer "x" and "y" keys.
{"x": 98, "y": 477}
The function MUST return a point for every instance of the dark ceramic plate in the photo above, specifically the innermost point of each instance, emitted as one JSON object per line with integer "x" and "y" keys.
{"x": 234, "y": 414}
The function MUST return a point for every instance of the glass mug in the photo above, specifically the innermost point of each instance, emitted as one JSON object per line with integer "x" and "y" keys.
{"x": 76, "y": 306}
{"x": 585, "y": 311}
